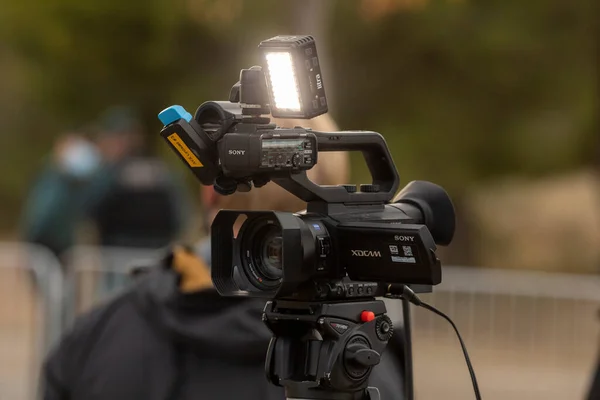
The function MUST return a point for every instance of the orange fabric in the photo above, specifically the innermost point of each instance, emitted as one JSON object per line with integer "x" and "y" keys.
{"x": 195, "y": 274}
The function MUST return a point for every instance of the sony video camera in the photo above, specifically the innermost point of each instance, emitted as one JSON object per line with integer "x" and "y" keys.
{"x": 351, "y": 242}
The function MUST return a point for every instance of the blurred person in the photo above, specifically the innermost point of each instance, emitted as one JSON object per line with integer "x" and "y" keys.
{"x": 132, "y": 198}
{"x": 54, "y": 205}
{"x": 171, "y": 336}
{"x": 136, "y": 201}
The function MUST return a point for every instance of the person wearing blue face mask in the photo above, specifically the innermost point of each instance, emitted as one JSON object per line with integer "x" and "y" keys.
{"x": 137, "y": 201}
{"x": 131, "y": 197}
{"x": 52, "y": 209}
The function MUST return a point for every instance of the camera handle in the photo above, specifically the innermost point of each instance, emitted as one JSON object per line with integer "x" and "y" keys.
{"x": 326, "y": 351}
{"x": 385, "y": 178}
{"x": 214, "y": 119}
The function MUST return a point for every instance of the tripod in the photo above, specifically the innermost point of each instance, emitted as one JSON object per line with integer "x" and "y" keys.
{"x": 326, "y": 351}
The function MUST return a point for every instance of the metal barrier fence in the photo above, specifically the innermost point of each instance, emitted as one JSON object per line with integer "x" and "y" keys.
{"x": 97, "y": 274}
{"x": 531, "y": 335}
{"x": 31, "y": 299}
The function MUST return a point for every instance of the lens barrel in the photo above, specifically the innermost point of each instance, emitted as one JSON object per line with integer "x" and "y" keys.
{"x": 261, "y": 252}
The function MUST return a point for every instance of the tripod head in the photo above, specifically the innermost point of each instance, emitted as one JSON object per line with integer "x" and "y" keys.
{"x": 326, "y": 350}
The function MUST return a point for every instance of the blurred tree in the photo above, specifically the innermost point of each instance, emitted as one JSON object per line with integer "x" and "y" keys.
{"x": 89, "y": 55}
{"x": 82, "y": 57}
{"x": 73, "y": 59}
{"x": 465, "y": 91}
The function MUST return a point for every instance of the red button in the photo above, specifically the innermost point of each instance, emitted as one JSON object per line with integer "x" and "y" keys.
{"x": 367, "y": 316}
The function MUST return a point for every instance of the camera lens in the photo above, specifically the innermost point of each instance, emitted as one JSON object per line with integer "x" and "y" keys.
{"x": 261, "y": 246}
{"x": 271, "y": 246}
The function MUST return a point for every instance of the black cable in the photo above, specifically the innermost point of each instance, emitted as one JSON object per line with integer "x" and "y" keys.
{"x": 408, "y": 361}
{"x": 462, "y": 344}
{"x": 406, "y": 293}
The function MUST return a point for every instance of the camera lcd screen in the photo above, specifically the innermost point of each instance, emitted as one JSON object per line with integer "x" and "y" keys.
{"x": 296, "y": 144}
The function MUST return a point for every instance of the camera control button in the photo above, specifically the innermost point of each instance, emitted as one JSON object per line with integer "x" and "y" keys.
{"x": 324, "y": 246}
{"x": 369, "y": 188}
{"x": 350, "y": 188}
{"x": 321, "y": 266}
{"x": 367, "y": 316}
{"x": 384, "y": 328}
{"x": 296, "y": 159}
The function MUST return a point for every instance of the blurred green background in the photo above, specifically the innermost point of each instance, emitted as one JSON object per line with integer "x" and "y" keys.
{"x": 495, "y": 100}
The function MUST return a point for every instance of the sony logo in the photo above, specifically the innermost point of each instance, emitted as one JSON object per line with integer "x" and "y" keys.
{"x": 404, "y": 238}
{"x": 366, "y": 253}
{"x": 319, "y": 82}
{"x": 237, "y": 152}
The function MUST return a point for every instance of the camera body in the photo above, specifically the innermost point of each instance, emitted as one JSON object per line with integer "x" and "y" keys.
{"x": 351, "y": 242}
{"x": 323, "y": 267}
{"x": 343, "y": 255}
{"x": 268, "y": 151}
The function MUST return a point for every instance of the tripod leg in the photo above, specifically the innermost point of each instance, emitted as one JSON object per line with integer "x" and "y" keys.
{"x": 408, "y": 359}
